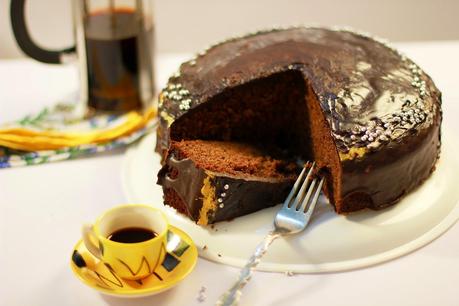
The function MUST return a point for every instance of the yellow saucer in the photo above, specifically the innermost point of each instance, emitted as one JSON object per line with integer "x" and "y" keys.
{"x": 180, "y": 260}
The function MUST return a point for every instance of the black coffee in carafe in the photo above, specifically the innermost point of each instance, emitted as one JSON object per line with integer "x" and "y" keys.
{"x": 114, "y": 48}
{"x": 119, "y": 59}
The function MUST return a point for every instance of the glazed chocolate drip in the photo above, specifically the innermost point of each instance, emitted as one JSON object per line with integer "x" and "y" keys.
{"x": 187, "y": 184}
{"x": 242, "y": 197}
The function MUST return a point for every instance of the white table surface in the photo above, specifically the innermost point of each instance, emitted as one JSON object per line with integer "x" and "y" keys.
{"x": 42, "y": 209}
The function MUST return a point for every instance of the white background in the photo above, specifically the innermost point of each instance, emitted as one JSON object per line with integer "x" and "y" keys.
{"x": 43, "y": 207}
{"x": 190, "y": 25}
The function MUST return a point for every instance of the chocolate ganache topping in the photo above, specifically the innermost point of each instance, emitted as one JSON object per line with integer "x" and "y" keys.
{"x": 371, "y": 94}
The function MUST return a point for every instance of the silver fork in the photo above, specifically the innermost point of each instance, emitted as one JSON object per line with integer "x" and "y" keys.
{"x": 290, "y": 219}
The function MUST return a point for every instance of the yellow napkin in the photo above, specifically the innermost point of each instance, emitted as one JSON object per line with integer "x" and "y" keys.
{"x": 37, "y": 140}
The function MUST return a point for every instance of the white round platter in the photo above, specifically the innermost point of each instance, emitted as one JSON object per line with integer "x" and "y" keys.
{"x": 331, "y": 242}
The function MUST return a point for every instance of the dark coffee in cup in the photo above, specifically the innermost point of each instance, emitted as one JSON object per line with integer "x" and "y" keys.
{"x": 132, "y": 235}
{"x": 140, "y": 232}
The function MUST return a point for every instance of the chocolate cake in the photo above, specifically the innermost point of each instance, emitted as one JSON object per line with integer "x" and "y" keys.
{"x": 367, "y": 115}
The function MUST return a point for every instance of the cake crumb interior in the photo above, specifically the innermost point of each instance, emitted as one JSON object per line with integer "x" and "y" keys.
{"x": 236, "y": 159}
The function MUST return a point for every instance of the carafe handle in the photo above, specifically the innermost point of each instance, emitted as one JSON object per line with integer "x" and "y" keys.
{"x": 25, "y": 41}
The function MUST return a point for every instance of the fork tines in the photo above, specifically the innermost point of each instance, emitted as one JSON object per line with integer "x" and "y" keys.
{"x": 305, "y": 187}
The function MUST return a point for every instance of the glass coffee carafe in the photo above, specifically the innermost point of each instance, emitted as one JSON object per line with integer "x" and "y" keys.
{"x": 114, "y": 47}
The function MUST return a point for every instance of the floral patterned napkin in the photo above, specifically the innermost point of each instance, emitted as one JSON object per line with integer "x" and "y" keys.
{"x": 57, "y": 133}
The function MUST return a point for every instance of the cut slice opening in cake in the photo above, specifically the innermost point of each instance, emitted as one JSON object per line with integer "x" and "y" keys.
{"x": 271, "y": 112}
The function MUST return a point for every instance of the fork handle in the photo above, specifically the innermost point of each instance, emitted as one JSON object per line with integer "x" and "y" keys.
{"x": 231, "y": 297}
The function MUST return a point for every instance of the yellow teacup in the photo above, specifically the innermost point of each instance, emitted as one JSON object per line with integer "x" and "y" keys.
{"x": 130, "y": 257}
